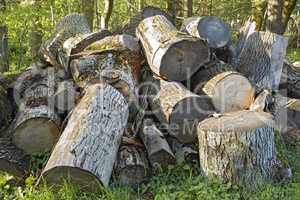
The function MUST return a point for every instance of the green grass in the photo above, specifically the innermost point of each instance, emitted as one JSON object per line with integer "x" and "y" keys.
{"x": 293, "y": 55}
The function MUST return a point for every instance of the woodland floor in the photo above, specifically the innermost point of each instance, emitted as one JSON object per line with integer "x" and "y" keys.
{"x": 182, "y": 182}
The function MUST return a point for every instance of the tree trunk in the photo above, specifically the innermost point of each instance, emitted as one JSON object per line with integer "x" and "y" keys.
{"x": 261, "y": 59}
{"x": 88, "y": 147}
{"x": 181, "y": 110}
{"x": 107, "y": 13}
{"x": 132, "y": 166}
{"x": 4, "y": 62}
{"x": 238, "y": 147}
{"x": 171, "y": 55}
{"x": 69, "y": 26}
{"x": 290, "y": 81}
{"x": 141, "y": 4}
{"x": 158, "y": 149}
{"x": 88, "y": 10}
{"x": 13, "y": 160}
{"x": 189, "y": 8}
{"x": 36, "y": 32}
{"x": 212, "y": 29}
{"x": 172, "y": 9}
{"x": 259, "y": 8}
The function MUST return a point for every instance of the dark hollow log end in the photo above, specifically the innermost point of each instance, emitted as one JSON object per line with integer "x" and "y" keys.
{"x": 85, "y": 180}
{"x": 183, "y": 59}
{"x": 215, "y": 31}
{"x": 36, "y": 135}
{"x": 161, "y": 159}
{"x": 11, "y": 168}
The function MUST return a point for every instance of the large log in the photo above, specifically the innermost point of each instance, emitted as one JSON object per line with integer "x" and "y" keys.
{"x": 210, "y": 28}
{"x": 88, "y": 147}
{"x": 181, "y": 110}
{"x": 171, "y": 54}
{"x": 13, "y": 160}
{"x": 158, "y": 149}
{"x": 290, "y": 80}
{"x": 238, "y": 147}
{"x": 261, "y": 59}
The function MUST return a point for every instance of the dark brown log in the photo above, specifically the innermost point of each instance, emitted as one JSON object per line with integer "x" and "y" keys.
{"x": 132, "y": 167}
{"x": 210, "y": 28}
{"x": 13, "y": 160}
{"x": 181, "y": 110}
{"x": 238, "y": 147}
{"x": 171, "y": 54}
{"x": 4, "y": 61}
{"x": 158, "y": 149}
{"x": 88, "y": 147}
{"x": 290, "y": 80}
{"x": 69, "y": 26}
{"x": 6, "y": 110}
{"x": 261, "y": 59}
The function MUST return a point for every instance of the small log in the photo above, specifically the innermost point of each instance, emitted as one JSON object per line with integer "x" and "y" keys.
{"x": 69, "y": 26}
{"x": 290, "y": 81}
{"x": 88, "y": 147}
{"x": 261, "y": 59}
{"x": 13, "y": 160}
{"x": 238, "y": 147}
{"x": 158, "y": 149}
{"x": 132, "y": 166}
{"x": 171, "y": 54}
{"x": 210, "y": 28}
{"x": 181, "y": 110}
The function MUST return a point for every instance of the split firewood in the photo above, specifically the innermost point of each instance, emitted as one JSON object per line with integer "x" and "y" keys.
{"x": 88, "y": 147}
{"x": 290, "y": 81}
{"x": 13, "y": 160}
{"x": 181, "y": 110}
{"x": 158, "y": 149}
{"x": 171, "y": 54}
{"x": 261, "y": 59}
{"x": 262, "y": 102}
{"x": 132, "y": 167}
{"x": 238, "y": 147}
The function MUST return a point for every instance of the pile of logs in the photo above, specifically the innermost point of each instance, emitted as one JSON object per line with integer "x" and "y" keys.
{"x": 124, "y": 104}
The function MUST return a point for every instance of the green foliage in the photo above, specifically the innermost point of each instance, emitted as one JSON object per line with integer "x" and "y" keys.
{"x": 294, "y": 55}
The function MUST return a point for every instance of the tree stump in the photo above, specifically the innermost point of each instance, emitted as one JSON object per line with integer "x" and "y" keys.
{"x": 238, "y": 147}
{"x": 181, "y": 110}
{"x": 88, "y": 147}
{"x": 261, "y": 59}
{"x": 171, "y": 54}
{"x": 13, "y": 160}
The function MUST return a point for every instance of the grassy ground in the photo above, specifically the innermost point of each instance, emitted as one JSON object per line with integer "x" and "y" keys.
{"x": 179, "y": 182}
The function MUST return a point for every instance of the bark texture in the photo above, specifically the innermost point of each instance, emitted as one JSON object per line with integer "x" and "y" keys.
{"x": 4, "y": 62}
{"x": 6, "y": 110}
{"x": 87, "y": 150}
{"x": 171, "y": 54}
{"x": 290, "y": 81}
{"x": 238, "y": 147}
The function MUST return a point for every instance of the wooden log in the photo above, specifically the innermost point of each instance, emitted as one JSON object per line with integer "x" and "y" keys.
{"x": 132, "y": 167}
{"x": 69, "y": 26}
{"x": 184, "y": 153}
{"x": 13, "y": 160}
{"x": 262, "y": 102}
{"x": 238, "y": 147}
{"x": 4, "y": 58}
{"x": 6, "y": 113}
{"x": 158, "y": 149}
{"x": 65, "y": 96}
{"x": 210, "y": 28}
{"x": 171, "y": 54}
{"x": 290, "y": 81}
{"x": 261, "y": 59}
{"x": 88, "y": 147}
{"x": 181, "y": 110}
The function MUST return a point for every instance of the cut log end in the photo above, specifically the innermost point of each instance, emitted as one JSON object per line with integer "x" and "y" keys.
{"x": 183, "y": 59}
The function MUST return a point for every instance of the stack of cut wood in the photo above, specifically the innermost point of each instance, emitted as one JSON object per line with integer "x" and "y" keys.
{"x": 100, "y": 106}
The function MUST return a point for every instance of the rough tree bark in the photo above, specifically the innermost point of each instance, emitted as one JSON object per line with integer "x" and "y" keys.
{"x": 290, "y": 81}
{"x": 88, "y": 10}
{"x": 261, "y": 59}
{"x": 88, "y": 147}
{"x": 181, "y": 110}
{"x": 238, "y": 147}
{"x": 4, "y": 61}
{"x": 172, "y": 55}
{"x": 6, "y": 109}
{"x": 259, "y": 8}
{"x": 108, "y": 8}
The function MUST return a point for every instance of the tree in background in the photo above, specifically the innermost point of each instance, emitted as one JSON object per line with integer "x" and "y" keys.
{"x": 36, "y": 32}
{"x": 4, "y": 64}
{"x": 88, "y": 10}
{"x": 108, "y": 8}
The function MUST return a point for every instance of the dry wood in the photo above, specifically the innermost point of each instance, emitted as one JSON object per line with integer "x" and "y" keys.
{"x": 171, "y": 54}
{"x": 184, "y": 153}
{"x": 88, "y": 147}
{"x": 6, "y": 109}
{"x": 181, "y": 110}
{"x": 158, "y": 149}
{"x": 238, "y": 147}
{"x": 290, "y": 81}
{"x": 261, "y": 59}
{"x": 262, "y": 102}
{"x": 13, "y": 160}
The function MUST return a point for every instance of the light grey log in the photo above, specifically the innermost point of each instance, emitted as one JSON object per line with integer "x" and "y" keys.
{"x": 261, "y": 59}
{"x": 158, "y": 149}
{"x": 181, "y": 110}
{"x": 88, "y": 147}
{"x": 238, "y": 147}
{"x": 13, "y": 160}
{"x": 290, "y": 81}
{"x": 132, "y": 167}
{"x": 210, "y": 28}
{"x": 171, "y": 54}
